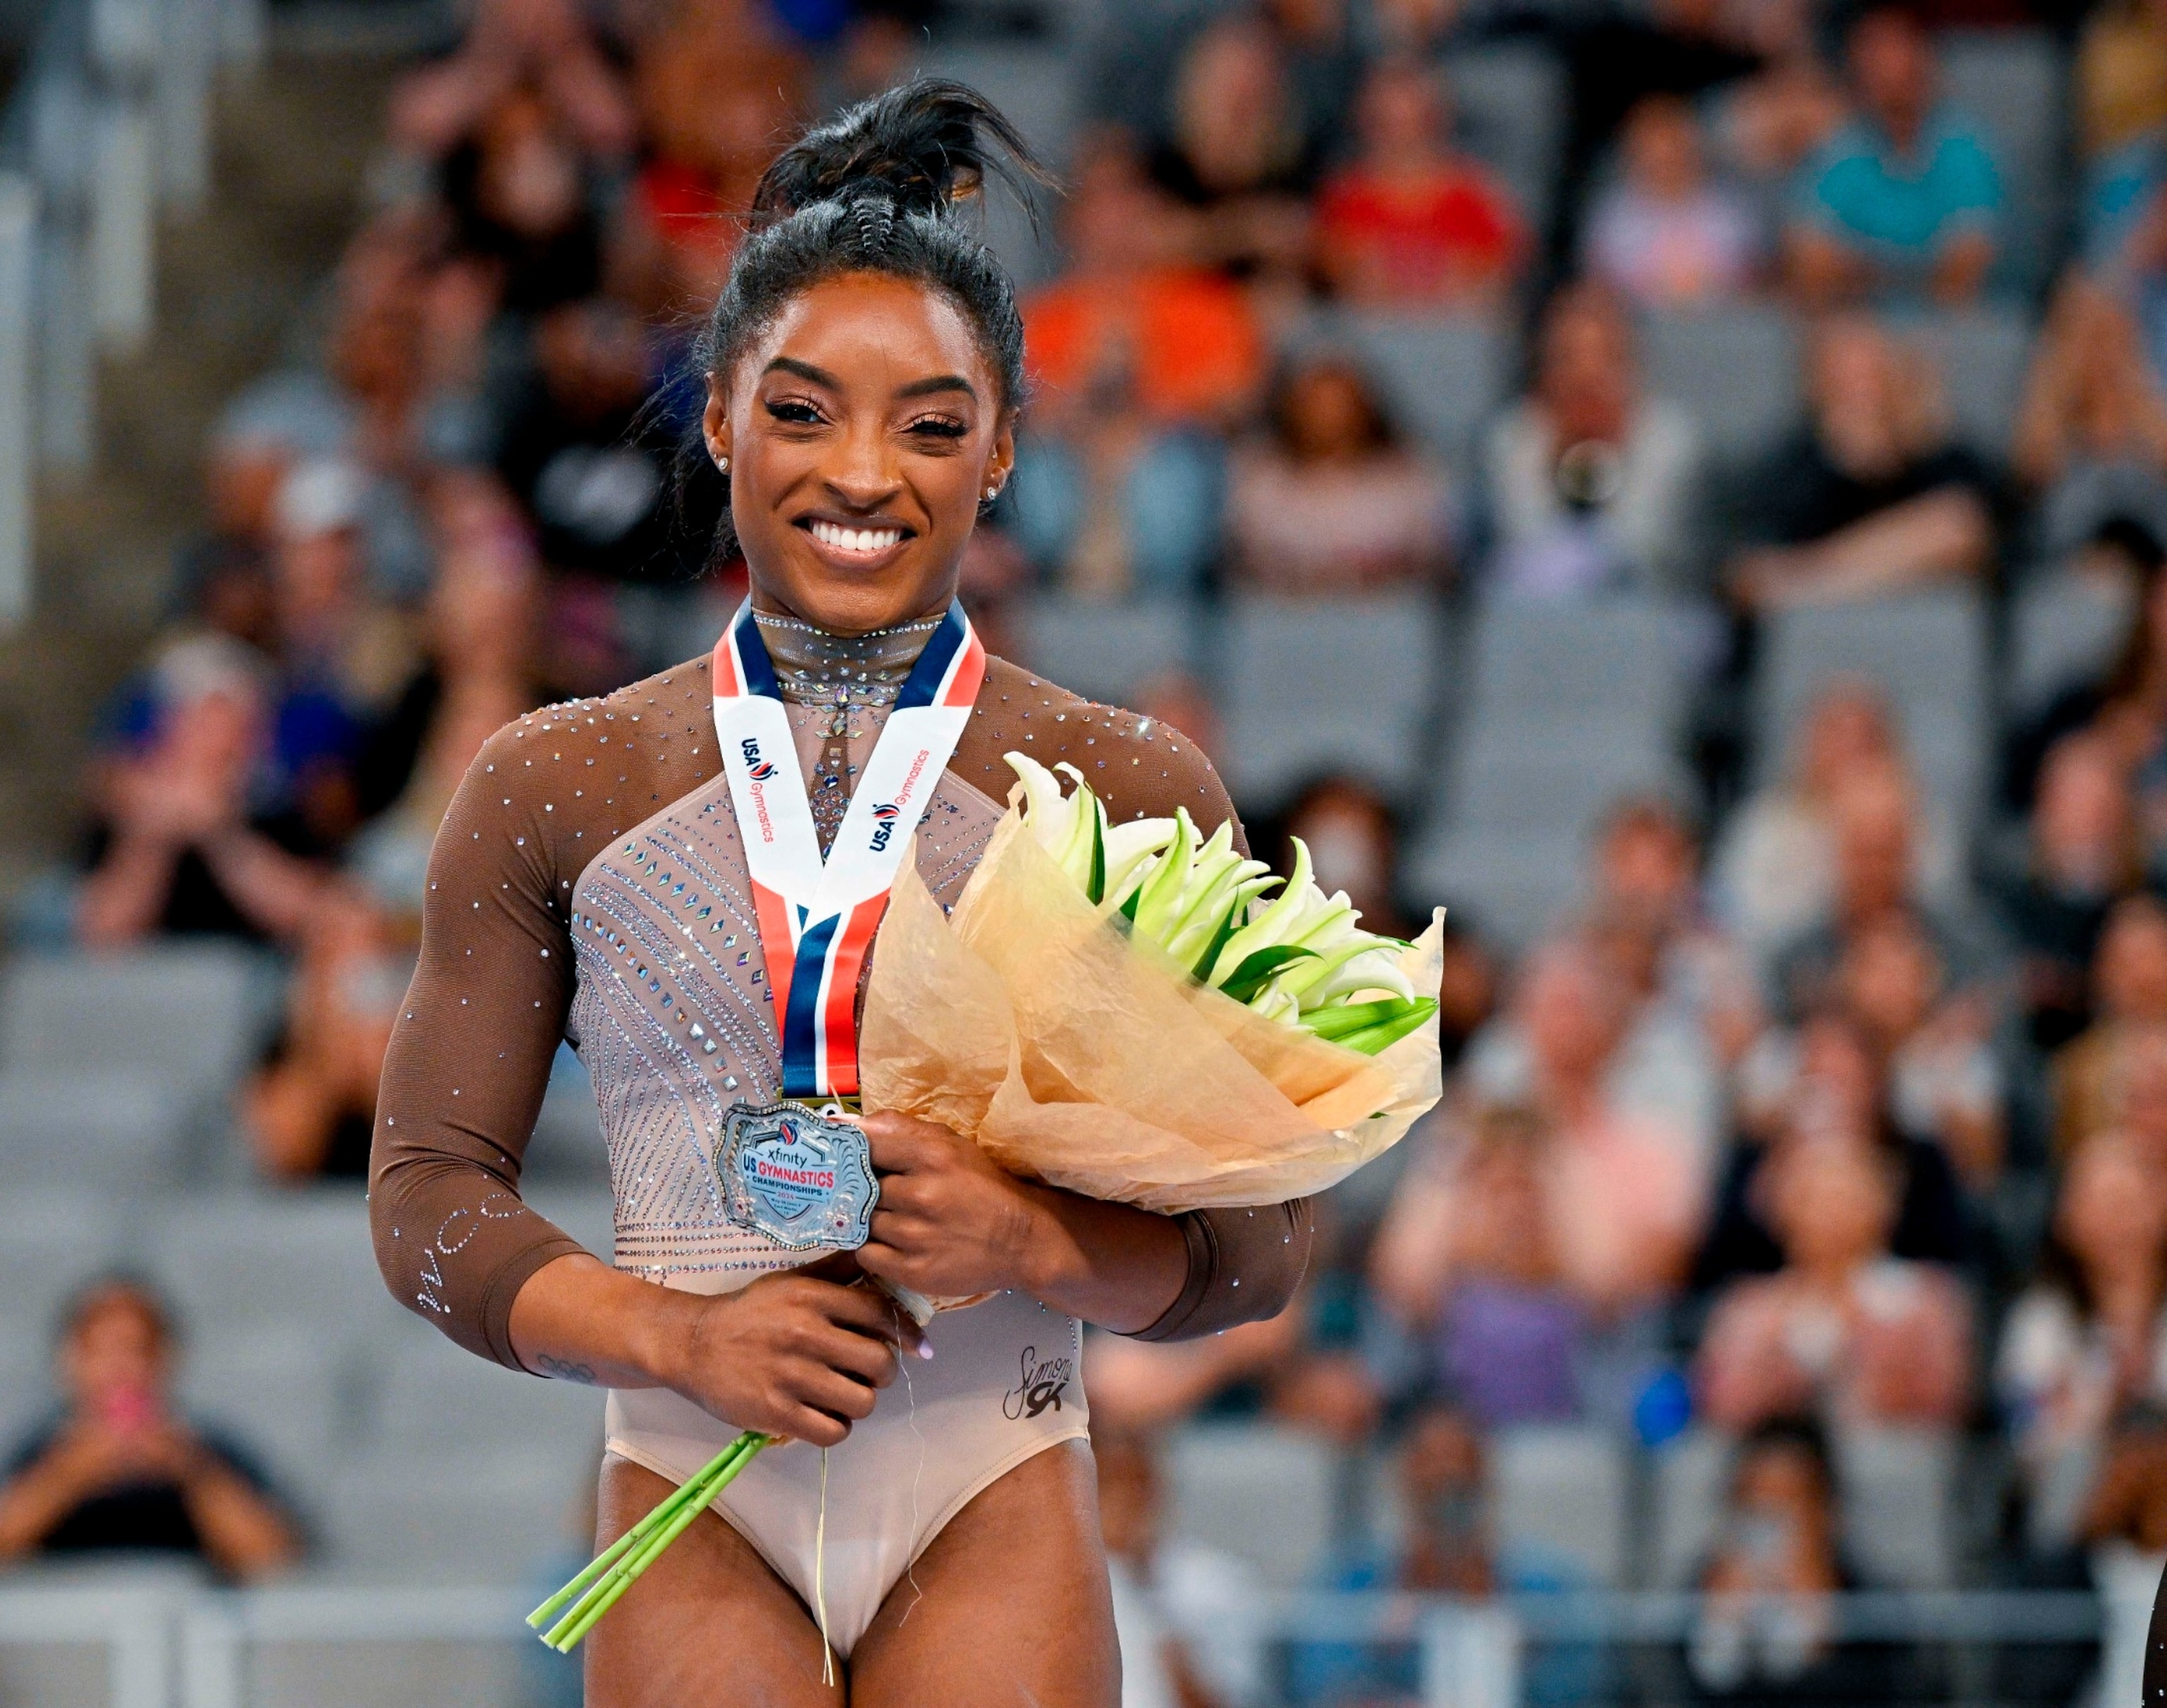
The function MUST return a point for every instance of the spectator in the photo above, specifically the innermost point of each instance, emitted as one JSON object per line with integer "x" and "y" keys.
{"x": 1902, "y": 202}
{"x": 1138, "y": 356}
{"x": 1774, "y": 874}
{"x": 2082, "y": 855}
{"x": 508, "y": 43}
{"x": 121, "y": 1471}
{"x": 1332, "y": 502}
{"x": 1697, "y": 1010}
{"x": 518, "y": 195}
{"x": 1765, "y": 127}
{"x": 1411, "y": 223}
{"x": 1238, "y": 159}
{"x": 2091, "y": 1075}
{"x": 1184, "y": 1614}
{"x": 345, "y": 656}
{"x": 1844, "y": 1329}
{"x": 2122, "y": 75}
{"x": 1820, "y": 1080}
{"x": 1666, "y": 236}
{"x": 2091, "y": 433}
{"x": 2088, "y": 1336}
{"x": 1871, "y": 498}
{"x": 1511, "y": 1338}
{"x": 1945, "y": 1083}
{"x": 712, "y": 103}
{"x": 311, "y": 1111}
{"x": 176, "y": 848}
{"x": 1875, "y": 819}
{"x": 1621, "y": 1193}
{"x": 1687, "y": 48}
{"x": 1591, "y": 483}
{"x": 1766, "y": 1631}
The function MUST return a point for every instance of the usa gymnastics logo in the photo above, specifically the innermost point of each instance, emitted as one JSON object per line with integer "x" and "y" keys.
{"x": 884, "y": 817}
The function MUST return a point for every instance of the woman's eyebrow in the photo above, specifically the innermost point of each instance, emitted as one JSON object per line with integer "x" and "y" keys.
{"x": 804, "y": 371}
{"x": 939, "y": 382}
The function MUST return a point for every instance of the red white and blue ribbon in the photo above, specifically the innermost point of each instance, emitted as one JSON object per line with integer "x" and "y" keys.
{"x": 817, "y": 919}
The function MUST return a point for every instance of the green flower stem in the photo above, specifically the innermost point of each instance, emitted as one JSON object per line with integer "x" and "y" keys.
{"x": 611, "y": 1572}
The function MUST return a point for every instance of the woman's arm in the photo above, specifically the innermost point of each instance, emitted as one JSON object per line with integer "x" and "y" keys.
{"x": 952, "y": 1222}
{"x": 243, "y": 1531}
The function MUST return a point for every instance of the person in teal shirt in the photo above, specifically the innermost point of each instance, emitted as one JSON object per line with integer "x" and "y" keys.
{"x": 1901, "y": 204}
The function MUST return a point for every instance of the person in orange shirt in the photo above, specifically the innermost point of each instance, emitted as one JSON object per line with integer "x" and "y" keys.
{"x": 1139, "y": 359}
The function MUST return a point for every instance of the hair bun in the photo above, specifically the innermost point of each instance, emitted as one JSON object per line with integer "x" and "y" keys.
{"x": 922, "y": 146}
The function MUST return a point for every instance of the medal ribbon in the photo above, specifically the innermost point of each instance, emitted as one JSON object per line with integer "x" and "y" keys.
{"x": 817, "y": 920}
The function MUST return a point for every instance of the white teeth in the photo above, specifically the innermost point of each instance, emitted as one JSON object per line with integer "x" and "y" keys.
{"x": 867, "y": 541}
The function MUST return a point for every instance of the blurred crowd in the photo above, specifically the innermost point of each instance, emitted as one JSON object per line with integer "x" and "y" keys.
{"x": 1824, "y": 1111}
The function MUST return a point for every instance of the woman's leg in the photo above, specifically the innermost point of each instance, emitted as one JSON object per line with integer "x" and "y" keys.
{"x": 709, "y": 1625}
{"x": 1008, "y": 1604}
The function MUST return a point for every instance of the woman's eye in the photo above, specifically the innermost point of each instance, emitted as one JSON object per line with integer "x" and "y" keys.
{"x": 794, "y": 410}
{"x": 941, "y": 427}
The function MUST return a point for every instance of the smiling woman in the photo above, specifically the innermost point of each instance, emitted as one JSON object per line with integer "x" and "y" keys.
{"x": 642, "y": 874}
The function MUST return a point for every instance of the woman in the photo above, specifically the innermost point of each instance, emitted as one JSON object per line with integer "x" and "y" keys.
{"x": 1332, "y": 503}
{"x": 864, "y": 364}
{"x": 2089, "y": 1337}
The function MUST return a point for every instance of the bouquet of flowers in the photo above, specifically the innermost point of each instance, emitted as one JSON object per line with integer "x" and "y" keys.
{"x": 1128, "y": 1011}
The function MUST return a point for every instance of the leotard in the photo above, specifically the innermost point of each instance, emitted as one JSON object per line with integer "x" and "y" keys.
{"x": 588, "y": 883}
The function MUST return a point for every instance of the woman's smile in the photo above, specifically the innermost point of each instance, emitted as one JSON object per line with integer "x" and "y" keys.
{"x": 858, "y": 546}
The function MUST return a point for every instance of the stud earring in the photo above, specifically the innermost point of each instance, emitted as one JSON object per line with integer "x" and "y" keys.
{"x": 991, "y": 493}
{"x": 723, "y": 464}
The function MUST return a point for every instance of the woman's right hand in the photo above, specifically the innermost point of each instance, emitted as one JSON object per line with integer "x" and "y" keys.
{"x": 791, "y": 1355}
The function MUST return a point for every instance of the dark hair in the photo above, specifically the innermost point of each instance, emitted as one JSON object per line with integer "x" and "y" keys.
{"x": 877, "y": 188}
{"x": 1379, "y": 432}
{"x": 1800, "y": 1435}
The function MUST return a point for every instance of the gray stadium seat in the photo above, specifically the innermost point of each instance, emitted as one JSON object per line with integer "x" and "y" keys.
{"x": 1689, "y": 1474}
{"x": 1512, "y": 99}
{"x": 1569, "y": 708}
{"x": 1107, "y": 652}
{"x": 1928, "y": 652}
{"x": 1980, "y": 355}
{"x": 2011, "y": 81}
{"x": 1897, "y": 1486}
{"x": 490, "y": 1516}
{"x": 2065, "y": 629}
{"x": 433, "y": 1396}
{"x": 112, "y": 1065}
{"x": 1309, "y": 686}
{"x": 1738, "y": 369}
{"x": 1441, "y": 378}
{"x": 1261, "y": 1492}
{"x": 238, "y": 1261}
{"x": 1563, "y": 1489}
{"x": 51, "y": 1241}
{"x": 282, "y": 1396}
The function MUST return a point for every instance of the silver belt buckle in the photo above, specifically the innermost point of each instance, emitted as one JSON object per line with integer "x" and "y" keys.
{"x": 795, "y": 1174}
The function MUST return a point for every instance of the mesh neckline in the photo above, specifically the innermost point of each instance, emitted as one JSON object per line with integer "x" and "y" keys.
{"x": 815, "y": 668}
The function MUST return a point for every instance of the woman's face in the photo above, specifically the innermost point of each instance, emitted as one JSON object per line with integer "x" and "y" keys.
{"x": 863, "y": 431}
{"x": 1327, "y": 416}
{"x": 1833, "y": 1205}
{"x": 2111, "y": 1212}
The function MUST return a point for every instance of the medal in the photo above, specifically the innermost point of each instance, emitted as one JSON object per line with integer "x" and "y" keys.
{"x": 796, "y": 1175}
{"x": 799, "y": 1177}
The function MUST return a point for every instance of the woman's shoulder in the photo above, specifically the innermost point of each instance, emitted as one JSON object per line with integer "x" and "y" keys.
{"x": 1139, "y": 766}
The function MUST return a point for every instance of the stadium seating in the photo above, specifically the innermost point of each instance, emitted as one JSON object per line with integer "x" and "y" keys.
{"x": 1563, "y": 1490}
{"x": 1927, "y": 652}
{"x": 1737, "y": 369}
{"x": 2011, "y": 83}
{"x": 1568, "y": 708}
{"x": 1309, "y": 686}
{"x": 1511, "y": 97}
{"x": 1108, "y": 652}
{"x": 113, "y": 1068}
{"x": 1215, "y": 1472}
{"x": 2064, "y": 629}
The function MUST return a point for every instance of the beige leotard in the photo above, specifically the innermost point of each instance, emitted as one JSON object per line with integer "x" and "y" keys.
{"x": 588, "y": 883}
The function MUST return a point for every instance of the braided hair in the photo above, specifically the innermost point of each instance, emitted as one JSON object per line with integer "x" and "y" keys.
{"x": 879, "y": 188}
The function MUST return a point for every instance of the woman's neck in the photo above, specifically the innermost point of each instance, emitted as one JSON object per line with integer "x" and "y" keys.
{"x": 813, "y": 666}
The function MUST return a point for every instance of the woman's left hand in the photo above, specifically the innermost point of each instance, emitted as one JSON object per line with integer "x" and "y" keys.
{"x": 951, "y": 1222}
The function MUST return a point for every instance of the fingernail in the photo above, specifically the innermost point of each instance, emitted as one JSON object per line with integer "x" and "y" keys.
{"x": 925, "y": 1349}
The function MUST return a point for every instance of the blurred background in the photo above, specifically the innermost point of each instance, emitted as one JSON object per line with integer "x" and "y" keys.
{"x": 1680, "y": 483}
